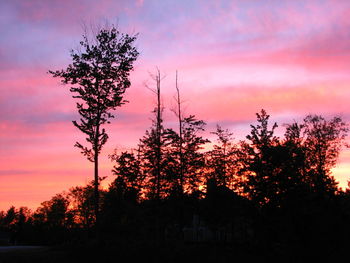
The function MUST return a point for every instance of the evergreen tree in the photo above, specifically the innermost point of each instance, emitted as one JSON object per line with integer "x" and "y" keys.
{"x": 193, "y": 156}
{"x": 221, "y": 160}
{"x": 152, "y": 144}
{"x": 154, "y": 160}
{"x": 256, "y": 174}
{"x": 129, "y": 174}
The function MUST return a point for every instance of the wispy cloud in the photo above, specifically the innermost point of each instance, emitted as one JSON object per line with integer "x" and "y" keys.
{"x": 15, "y": 172}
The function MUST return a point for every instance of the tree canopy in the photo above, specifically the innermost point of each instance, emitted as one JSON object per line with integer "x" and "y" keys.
{"x": 99, "y": 76}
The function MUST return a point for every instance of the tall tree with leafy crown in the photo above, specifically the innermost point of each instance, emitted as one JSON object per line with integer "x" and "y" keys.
{"x": 99, "y": 75}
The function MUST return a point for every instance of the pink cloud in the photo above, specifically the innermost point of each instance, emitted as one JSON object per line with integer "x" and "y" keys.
{"x": 289, "y": 57}
{"x": 240, "y": 103}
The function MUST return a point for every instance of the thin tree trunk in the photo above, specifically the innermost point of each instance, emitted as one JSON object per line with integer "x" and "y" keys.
{"x": 96, "y": 178}
{"x": 96, "y": 153}
{"x": 180, "y": 135}
{"x": 225, "y": 164}
{"x": 96, "y": 192}
{"x": 158, "y": 153}
{"x": 158, "y": 160}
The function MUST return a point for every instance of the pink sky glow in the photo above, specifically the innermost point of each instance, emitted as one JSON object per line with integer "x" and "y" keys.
{"x": 234, "y": 58}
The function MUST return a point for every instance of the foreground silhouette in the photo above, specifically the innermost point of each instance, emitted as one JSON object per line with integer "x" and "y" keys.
{"x": 265, "y": 198}
{"x": 99, "y": 77}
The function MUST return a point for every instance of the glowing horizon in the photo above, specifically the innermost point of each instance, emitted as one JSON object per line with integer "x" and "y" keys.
{"x": 234, "y": 58}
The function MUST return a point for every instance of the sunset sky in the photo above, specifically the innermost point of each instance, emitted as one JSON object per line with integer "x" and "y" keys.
{"x": 233, "y": 58}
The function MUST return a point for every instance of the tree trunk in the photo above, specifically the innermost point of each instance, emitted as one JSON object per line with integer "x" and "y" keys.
{"x": 96, "y": 178}
{"x": 179, "y": 115}
{"x": 159, "y": 119}
{"x": 96, "y": 184}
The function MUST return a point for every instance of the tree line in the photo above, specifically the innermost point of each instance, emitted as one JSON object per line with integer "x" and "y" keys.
{"x": 268, "y": 172}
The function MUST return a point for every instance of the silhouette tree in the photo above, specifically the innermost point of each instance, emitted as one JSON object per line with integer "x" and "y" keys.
{"x": 24, "y": 221}
{"x": 53, "y": 212}
{"x": 81, "y": 200}
{"x": 273, "y": 169}
{"x": 152, "y": 150}
{"x": 158, "y": 135}
{"x": 129, "y": 173}
{"x": 99, "y": 76}
{"x": 193, "y": 157}
{"x": 179, "y": 112}
{"x": 183, "y": 166}
{"x": 321, "y": 141}
{"x": 10, "y": 218}
{"x": 221, "y": 161}
{"x": 152, "y": 146}
{"x": 256, "y": 169}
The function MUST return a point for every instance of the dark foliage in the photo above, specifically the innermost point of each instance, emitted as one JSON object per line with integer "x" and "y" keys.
{"x": 99, "y": 75}
{"x": 266, "y": 198}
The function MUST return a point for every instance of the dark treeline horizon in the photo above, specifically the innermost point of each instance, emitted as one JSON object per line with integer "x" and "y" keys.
{"x": 264, "y": 192}
{"x": 225, "y": 150}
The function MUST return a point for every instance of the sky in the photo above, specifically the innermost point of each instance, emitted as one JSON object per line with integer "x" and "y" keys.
{"x": 234, "y": 58}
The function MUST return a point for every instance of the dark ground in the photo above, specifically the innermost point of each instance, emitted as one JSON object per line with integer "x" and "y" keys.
{"x": 163, "y": 253}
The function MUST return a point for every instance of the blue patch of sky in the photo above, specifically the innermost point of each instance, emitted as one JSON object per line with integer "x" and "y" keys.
{"x": 37, "y": 45}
